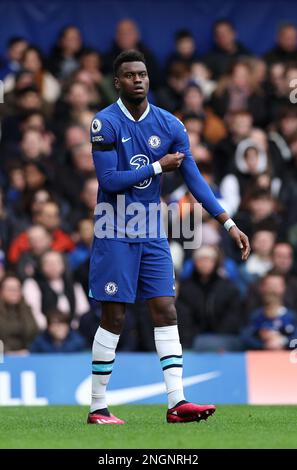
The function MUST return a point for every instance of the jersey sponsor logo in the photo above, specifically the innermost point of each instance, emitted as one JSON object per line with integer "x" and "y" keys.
{"x": 98, "y": 138}
{"x": 154, "y": 141}
{"x": 111, "y": 288}
{"x": 126, "y": 139}
{"x": 96, "y": 126}
{"x": 138, "y": 161}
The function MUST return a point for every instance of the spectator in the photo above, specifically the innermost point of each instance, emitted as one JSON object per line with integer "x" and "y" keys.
{"x": 185, "y": 49}
{"x": 285, "y": 49}
{"x": 49, "y": 218}
{"x": 15, "y": 185}
{"x": 18, "y": 327}
{"x": 237, "y": 90}
{"x": 194, "y": 123}
{"x": 193, "y": 100}
{"x": 34, "y": 120}
{"x": 260, "y": 261}
{"x": 260, "y": 208}
{"x": 32, "y": 61}
{"x": 170, "y": 96}
{"x": 74, "y": 135}
{"x": 64, "y": 58}
{"x": 282, "y": 264}
{"x": 74, "y": 176}
{"x": 226, "y": 48}
{"x": 201, "y": 75}
{"x": 12, "y": 62}
{"x": 59, "y": 337}
{"x": 88, "y": 200}
{"x": 277, "y": 89}
{"x": 53, "y": 288}
{"x": 208, "y": 306}
{"x": 92, "y": 63}
{"x": 239, "y": 128}
{"x": 82, "y": 250}
{"x": 127, "y": 36}
{"x": 40, "y": 241}
{"x": 24, "y": 101}
{"x": 33, "y": 146}
{"x": 272, "y": 326}
{"x": 29, "y": 204}
{"x": 78, "y": 99}
{"x": 250, "y": 161}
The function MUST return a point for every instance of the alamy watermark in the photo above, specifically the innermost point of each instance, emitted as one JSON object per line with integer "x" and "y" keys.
{"x": 149, "y": 220}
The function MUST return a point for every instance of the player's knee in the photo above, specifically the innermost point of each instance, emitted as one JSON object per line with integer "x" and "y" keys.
{"x": 164, "y": 314}
{"x": 117, "y": 321}
{"x": 113, "y": 322}
{"x": 170, "y": 315}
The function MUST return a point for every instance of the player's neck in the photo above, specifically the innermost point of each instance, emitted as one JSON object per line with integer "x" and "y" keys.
{"x": 135, "y": 109}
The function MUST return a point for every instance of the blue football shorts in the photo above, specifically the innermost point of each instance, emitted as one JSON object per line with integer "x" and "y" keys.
{"x": 125, "y": 271}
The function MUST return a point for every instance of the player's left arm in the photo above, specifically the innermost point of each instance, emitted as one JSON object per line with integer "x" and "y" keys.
{"x": 203, "y": 193}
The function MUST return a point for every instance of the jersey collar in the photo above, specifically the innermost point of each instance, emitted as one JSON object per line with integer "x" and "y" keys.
{"x": 129, "y": 115}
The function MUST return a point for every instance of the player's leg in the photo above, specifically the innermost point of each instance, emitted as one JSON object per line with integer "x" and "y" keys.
{"x": 103, "y": 356}
{"x": 113, "y": 281}
{"x": 156, "y": 285}
{"x": 164, "y": 318}
{"x": 169, "y": 349}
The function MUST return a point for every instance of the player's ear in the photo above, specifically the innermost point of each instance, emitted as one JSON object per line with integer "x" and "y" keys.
{"x": 116, "y": 83}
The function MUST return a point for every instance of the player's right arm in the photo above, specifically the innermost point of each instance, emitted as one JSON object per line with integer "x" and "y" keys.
{"x": 105, "y": 156}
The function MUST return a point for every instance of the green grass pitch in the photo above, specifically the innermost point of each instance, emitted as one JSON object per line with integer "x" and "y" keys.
{"x": 236, "y": 426}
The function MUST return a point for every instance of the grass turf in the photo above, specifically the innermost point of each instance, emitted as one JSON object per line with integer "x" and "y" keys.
{"x": 237, "y": 426}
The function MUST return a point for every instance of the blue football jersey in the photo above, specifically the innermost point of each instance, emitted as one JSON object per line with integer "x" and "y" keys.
{"x": 123, "y": 152}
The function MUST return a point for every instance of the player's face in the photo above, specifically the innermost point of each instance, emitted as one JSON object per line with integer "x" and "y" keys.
{"x": 132, "y": 81}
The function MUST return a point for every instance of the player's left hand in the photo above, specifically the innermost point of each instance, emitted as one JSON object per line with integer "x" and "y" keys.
{"x": 241, "y": 240}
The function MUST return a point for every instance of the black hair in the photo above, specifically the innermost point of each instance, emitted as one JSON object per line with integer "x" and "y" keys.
{"x": 20, "y": 73}
{"x": 194, "y": 85}
{"x": 192, "y": 115}
{"x": 183, "y": 34}
{"x": 127, "y": 56}
{"x": 31, "y": 112}
{"x": 272, "y": 273}
{"x": 250, "y": 147}
{"x": 261, "y": 193}
{"x": 9, "y": 274}
{"x": 286, "y": 24}
{"x": 37, "y": 51}
{"x": 89, "y": 50}
{"x": 64, "y": 30}
{"x": 14, "y": 40}
{"x": 24, "y": 91}
{"x": 56, "y": 316}
{"x": 267, "y": 225}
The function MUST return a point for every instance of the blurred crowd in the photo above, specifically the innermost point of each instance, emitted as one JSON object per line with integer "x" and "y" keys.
{"x": 241, "y": 117}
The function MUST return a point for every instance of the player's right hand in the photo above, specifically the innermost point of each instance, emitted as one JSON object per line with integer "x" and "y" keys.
{"x": 171, "y": 161}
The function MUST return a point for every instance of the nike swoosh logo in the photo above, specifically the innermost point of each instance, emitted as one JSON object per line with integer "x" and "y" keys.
{"x": 125, "y": 140}
{"x": 131, "y": 394}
